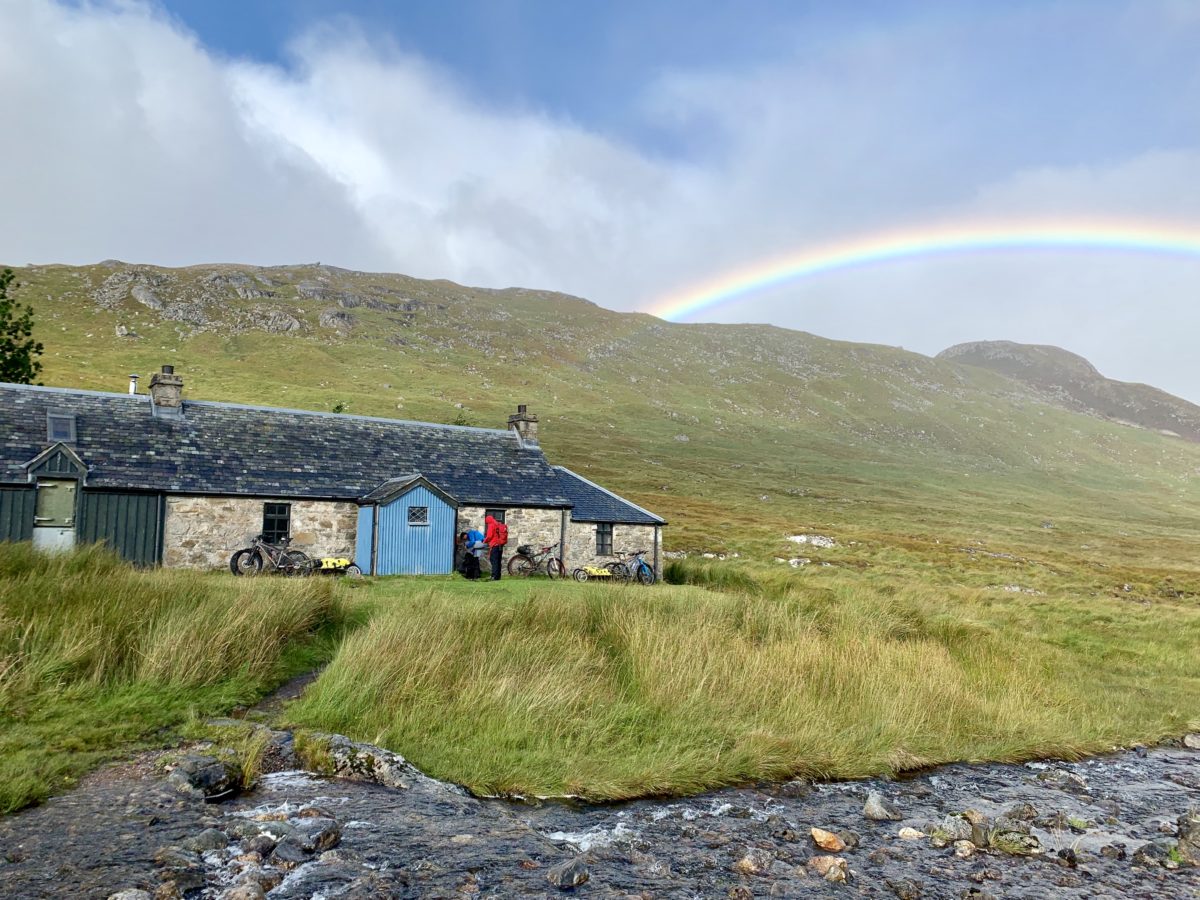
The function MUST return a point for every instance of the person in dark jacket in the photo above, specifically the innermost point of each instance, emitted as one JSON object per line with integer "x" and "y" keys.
{"x": 467, "y": 556}
{"x": 495, "y": 536}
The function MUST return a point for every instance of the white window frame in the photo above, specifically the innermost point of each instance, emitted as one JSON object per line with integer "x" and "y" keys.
{"x": 409, "y": 517}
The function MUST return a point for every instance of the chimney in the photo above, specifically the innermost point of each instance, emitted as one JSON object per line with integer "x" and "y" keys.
{"x": 525, "y": 424}
{"x": 133, "y": 380}
{"x": 166, "y": 392}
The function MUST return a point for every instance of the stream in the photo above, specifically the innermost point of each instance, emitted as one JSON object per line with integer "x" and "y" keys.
{"x": 1114, "y": 826}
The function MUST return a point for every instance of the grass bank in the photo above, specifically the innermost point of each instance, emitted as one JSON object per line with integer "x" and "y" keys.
{"x": 610, "y": 693}
{"x": 97, "y": 658}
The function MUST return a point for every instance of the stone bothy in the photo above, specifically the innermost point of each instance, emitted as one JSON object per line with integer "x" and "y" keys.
{"x": 177, "y": 482}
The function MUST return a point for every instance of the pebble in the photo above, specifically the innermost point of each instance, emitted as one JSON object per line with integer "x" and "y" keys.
{"x": 964, "y": 849}
{"x": 831, "y": 868}
{"x": 910, "y": 834}
{"x": 879, "y": 810}
{"x": 827, "y": 840}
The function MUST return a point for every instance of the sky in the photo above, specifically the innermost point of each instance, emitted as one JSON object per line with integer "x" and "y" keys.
{"x": 633, "y": 152}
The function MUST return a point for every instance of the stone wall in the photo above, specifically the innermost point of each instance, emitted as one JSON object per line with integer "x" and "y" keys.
{"x": 203, "y": 532}
{"x": 537, "y": 527}
{"x": 581, "y": 543}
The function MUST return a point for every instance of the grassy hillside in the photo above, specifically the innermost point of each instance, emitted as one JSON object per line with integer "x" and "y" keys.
{"x": 739, "y": 435}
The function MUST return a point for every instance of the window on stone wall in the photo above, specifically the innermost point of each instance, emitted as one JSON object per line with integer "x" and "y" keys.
{"x": 497, "y": 514}
{"x": 604, "y": 540}
{"x": 418, "y": 515}
{"x": 277, "y": 522}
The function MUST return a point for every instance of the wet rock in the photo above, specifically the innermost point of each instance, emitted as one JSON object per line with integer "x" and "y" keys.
{"x": 827, "y": 840}
{"x": 754, "y": 862}
{"x": 1071, "y": 782}
{"x": 131, "y": 894}
{"x": 569, "y": 874}
{"x": 905, "y": 888}
{"x": 287, "y": 856}
{"x": 1113, "y": 851}
{"x": 831, "y": 868}
{"x": 1192, "y": 741}
{"x": 1188, "y": 828}
{"x": 209, "y": 839}
{"x": 964, "y": 849}
{"x": 949, "y": 830}
{"x": 262, "y": 844}
{"x": 247, "y": 890}
{"x": 265, "y": 878}
{"x": 315, "y": 812}
{"x": 740, "y": 892}
{"x": 910, "y": 834}
{"x": 205, "y": 776}
{"x": 181, "y": 868}
{"x": 1021, "y": 812}
{"x": 315, "y": 835}
{"x": 1014, "y": 843}
{"x": 796, "y": 790}
{"x": 1068, "y": 857}
{"x": 879, "y": 810}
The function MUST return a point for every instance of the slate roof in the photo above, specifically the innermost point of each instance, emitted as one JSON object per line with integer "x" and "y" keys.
{"x": 226, "y": 448}
{"x": 596, "y": 504}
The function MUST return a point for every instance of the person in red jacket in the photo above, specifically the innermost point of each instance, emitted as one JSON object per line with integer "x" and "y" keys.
{"x": 495, "y": 536}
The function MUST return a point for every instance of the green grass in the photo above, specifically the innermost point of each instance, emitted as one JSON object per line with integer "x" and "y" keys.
{"x": 608, "y": 692}
{"x": 97, "y": 658}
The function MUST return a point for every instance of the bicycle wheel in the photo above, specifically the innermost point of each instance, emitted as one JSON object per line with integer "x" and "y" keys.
{"x": 620, "y": 571}
{"x": 245, "y": 562}
{"x": 555, "y": 568}
{"x": 295, "y": 563}
{"x": 645, "y": 574}
{"x": 580, "y": 575}
{"x": 521, "y": 565}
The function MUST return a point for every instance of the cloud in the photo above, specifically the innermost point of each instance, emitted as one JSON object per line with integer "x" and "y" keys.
{"x": 127, "y": 138}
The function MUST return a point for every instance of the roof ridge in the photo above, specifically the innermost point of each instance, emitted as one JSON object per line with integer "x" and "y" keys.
{"x": 280, "y": 409}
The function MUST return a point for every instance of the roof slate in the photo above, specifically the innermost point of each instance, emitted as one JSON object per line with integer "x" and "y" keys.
{"x": 225, "y": 448}
{"x": 596, "y": 504}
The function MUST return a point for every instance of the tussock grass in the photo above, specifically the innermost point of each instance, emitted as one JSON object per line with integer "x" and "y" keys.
{"x": 95, "y": 656}
{"x": 611, "y": 693}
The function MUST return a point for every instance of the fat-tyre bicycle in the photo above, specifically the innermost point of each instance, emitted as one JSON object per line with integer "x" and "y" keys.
{"x": 527, "y": 562}
{"x": 633, "y": 568}
{"x": 262, "y": 556}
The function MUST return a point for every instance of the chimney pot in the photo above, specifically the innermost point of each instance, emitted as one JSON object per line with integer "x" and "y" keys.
{"x": 133, "y": 380}
{"x": 525, "y": 424}
{"x": 166, "y": 392}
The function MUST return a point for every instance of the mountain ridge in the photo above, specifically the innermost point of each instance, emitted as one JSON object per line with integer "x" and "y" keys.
{"x": 729, "y": 430}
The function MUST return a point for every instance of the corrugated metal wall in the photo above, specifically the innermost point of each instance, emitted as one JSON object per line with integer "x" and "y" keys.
{"x": 132, "y": 524}
{"x": 416, "y": 549}
{"x": 16, "y": 513}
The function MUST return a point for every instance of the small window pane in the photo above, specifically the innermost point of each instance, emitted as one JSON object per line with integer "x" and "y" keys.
{"x": 418, "y": 515}
{"x": 497, "y": 514}
{"x": 277, "y": 521}
{"x": 604, "y": 540}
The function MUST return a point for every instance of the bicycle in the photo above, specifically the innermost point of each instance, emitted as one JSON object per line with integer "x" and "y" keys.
{"x": 526, "y": 562}
{"x": 262, "y": 555}
{"x": 633, "y": 568}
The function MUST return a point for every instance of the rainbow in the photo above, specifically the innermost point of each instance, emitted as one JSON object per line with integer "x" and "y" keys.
{"x": 1181, "y": 240}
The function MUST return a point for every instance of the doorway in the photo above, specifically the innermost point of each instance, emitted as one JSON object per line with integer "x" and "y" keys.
{"x": 54, "y": 514}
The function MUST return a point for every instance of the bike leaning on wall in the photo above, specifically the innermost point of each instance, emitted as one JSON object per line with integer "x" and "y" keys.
{"x": 262, "y": 556}
{"x": 633, "y": 568}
